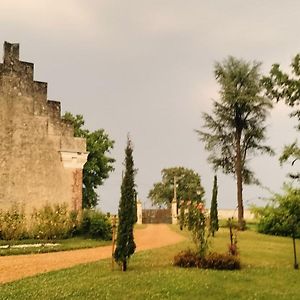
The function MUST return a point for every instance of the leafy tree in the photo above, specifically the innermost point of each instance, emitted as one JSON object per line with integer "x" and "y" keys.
{"x": 291, "y": 152}
{"x": 282, "y": 216}
{"x": 127, "y": 212}
{"x": 214, "y": 222}
{"x": 235, "y": 128}
{"x": 99, "y": 164}
{"x": 188, "y": 186}
{"x": 281, "y": 86}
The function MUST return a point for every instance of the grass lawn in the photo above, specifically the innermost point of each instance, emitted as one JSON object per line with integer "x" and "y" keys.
{"x": 64, "y": 245}
{"x": 67, "y": 244}
{"x": 267, "y": 273}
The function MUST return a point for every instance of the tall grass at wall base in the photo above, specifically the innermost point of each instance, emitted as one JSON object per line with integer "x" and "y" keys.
{"x": 13, "y": 223}
{"x": 52, "y": 222}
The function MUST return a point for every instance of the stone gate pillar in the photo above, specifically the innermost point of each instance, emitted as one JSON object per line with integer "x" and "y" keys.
{"x": 139, "y": 212}
{"x": 74, "y": 162}
{"x": 174, "y": 211}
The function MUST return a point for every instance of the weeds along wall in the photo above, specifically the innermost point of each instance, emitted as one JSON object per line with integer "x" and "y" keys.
{"x": 40, "y": 159}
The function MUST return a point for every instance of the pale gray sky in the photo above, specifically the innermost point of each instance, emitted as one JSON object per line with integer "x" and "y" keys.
{"x": 146, "y": 67}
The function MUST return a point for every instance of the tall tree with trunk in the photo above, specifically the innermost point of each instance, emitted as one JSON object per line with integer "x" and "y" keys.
{"x": 214, "y": 221}
{"x": 236, "y": 126}
{"x": 187, "y": 186}
{"x": 125, "y": 245}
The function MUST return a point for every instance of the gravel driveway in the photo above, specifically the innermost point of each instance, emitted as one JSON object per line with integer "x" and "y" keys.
{"x": 19, "y": 266}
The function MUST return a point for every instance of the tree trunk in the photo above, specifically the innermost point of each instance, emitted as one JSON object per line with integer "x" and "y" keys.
{"x": 239, "y": 182}
{"x": 124, "y": 265}
{"x": 296, "y": 266}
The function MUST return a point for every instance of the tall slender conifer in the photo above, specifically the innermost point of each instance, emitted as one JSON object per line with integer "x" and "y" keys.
{"x": 125, "y": 245}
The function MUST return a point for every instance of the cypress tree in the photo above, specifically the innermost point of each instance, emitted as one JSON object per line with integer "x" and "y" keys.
{"x": 214, "y": 222}
{"x": 125, "y": 245}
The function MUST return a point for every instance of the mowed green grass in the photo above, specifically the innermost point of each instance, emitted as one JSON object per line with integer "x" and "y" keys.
{"x": 267, "y": 273}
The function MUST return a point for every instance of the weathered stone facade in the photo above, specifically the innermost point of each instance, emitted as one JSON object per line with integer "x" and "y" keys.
{"x": 40, "y": 159}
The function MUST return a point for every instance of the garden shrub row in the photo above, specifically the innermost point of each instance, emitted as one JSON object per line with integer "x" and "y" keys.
{"x": 217, "y": 261}
{"x": 52, "y": 222}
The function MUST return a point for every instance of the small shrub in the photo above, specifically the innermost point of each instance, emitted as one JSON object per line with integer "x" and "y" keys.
{"x": 193, "y": 216}
{"x": 187, "y": 259}
{"x": 95, "y": 224}
{"x": 220, "y": 261}
{"x": 51, "y": 222}
{"x": 217, "y": 261}
{"x": 13, "y": 223}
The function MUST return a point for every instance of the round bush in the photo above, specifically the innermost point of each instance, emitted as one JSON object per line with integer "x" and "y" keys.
{"x": 187, "y": 259}
{"x": 220, "y": 261}
{"x": 95, "y": 224}
{"x": 217, "y": 261}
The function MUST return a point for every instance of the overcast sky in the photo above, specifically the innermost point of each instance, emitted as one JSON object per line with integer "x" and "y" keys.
{"x": 146, "y": 67}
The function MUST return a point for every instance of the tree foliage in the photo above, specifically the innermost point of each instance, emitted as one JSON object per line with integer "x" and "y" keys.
{"x": 281, "y": 86}
{"x": 99, "y": 164}
{"x": 188, "y": 186}
{"x": 214, "y": 221}
{"x": 127, "y": 212}
{"x": 235, "y": 130}
{"x": 291, "y": 153}
{"x": 282, "y": 215}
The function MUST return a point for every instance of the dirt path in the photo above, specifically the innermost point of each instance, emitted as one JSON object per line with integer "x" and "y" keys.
{"x": 16, "y": 267}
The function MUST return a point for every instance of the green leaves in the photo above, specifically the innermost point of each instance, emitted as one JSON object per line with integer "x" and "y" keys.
{"x": 99, "y": 164}
{"x": 188, "y": 186}
{"x": 282, "y": 86}
{"x": 282, "y": 215}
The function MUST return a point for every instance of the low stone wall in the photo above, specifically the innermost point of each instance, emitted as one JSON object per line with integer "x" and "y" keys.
{"x": 228, "y": 213}
{"x": 169, "y": 216}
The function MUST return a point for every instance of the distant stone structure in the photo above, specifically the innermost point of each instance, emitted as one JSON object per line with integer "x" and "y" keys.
{"x": 40, "y": 159}
{"x": 157, "y": 216}
{"x": 229, "y": 213}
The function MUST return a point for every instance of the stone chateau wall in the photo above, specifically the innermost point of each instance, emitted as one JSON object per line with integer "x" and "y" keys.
{"x": 40, "y": 159}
